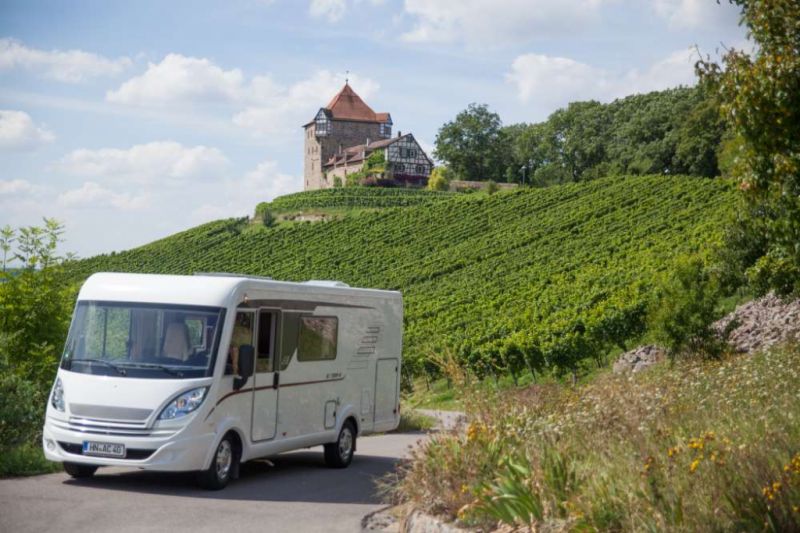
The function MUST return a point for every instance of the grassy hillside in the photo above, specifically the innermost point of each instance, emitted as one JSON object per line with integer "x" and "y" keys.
{"x": 352, "y": 198}
{"x": 695, "y": 446}
{"x": 518, "y": 280}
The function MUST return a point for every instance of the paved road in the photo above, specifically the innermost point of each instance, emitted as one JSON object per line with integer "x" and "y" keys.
{"x": 298, "y": 494}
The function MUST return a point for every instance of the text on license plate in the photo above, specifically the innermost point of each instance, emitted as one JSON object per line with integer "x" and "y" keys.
{"x": 106, "y": 449}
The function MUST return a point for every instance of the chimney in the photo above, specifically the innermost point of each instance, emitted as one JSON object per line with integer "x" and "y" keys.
{"x": 399, "y": 133}
{"x": 367, "y": 143}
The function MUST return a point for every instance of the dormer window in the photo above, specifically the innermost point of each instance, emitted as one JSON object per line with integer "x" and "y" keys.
{"x": 386, "y": 128}
{"x": 322, "y": 124}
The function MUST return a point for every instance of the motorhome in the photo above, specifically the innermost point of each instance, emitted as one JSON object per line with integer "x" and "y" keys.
{"x": 201, "y": 373}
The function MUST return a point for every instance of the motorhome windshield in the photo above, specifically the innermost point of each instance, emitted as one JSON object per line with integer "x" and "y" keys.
{"x": 143, "y": 340}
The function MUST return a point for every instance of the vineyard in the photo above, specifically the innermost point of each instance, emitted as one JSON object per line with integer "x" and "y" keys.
{"x": 352, "y": 197}
{"x": 525, "y": 280}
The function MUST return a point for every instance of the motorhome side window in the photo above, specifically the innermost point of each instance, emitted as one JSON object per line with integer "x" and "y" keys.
{"x": 266, "y": 341}
{"x": 243, "y": 329}
{"x": 317, "y": 338}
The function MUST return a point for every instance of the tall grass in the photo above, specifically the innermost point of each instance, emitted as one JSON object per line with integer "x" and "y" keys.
{"x": 701, "y": 445}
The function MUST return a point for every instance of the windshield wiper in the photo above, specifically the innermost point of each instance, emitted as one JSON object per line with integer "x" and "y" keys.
{"x": 165, "y": 368}
{"x": 119, "y": 370}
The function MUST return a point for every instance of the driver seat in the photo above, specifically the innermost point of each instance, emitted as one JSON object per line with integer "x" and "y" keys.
{"x": 176, "y": 341}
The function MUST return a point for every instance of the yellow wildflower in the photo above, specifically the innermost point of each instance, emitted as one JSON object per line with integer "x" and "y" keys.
{"x": 694, "y": 465}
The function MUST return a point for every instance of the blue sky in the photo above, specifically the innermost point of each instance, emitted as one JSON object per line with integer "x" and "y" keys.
{"x": 129, "y": 121}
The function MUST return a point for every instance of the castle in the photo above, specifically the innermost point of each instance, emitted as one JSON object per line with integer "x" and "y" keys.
{"x": 343, "y": 135}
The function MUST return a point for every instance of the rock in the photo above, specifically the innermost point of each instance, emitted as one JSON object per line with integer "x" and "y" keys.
{"x": 419, "y": 522}
{"x": 753, "y": 326}
{"x": 760, "y": 324}
{"x": 639, "y": 359}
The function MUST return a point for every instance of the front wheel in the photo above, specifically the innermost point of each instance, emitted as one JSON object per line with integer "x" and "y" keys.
{"x": 79, "y": 471}
{"x": 223, "y": 464}
{"x": 339, "y": 454}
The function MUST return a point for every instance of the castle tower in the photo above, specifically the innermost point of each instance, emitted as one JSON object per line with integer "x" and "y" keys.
{"x": 346, "y": 121}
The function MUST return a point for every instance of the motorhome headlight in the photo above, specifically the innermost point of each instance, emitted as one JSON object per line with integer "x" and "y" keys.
{"x": 57, "y": 397}
{"x": 184, "y": 404}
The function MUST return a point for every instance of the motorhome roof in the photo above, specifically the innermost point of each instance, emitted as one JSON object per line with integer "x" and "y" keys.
{"x": 208, "y": 290}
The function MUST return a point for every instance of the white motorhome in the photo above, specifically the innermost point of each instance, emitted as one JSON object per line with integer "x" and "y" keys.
{"x": 200, "y": 373}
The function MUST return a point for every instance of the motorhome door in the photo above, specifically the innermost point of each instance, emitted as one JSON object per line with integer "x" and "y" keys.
{"x": 265, "y": 396}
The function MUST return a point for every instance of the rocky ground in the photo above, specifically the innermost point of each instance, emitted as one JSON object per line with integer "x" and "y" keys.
{"x": 753, "y": 326}
{"x": 760, "y": 324}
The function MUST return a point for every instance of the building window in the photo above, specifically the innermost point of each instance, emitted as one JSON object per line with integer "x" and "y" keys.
{"x": 399, "y": 168}
{"x": 386, "y": 130}
{"x": 420, "y": 169}
{"x": 316, "y": 340}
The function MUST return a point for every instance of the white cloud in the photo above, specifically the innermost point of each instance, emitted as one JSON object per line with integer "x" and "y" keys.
{"x": 70, "y": 66}
{"x": 18, "y": 187}
{"x": 19, "y": 132}
{"x": 333, "y": 10}
{"x": 262, "y": 105}
{"x": 180, "y": 79}
{"x": 286, "y": 108}
{"x": 93, "y": 195}
{"x": 261, "y": 184}
{"x": 696, "y": 13}
{"x": 266, "y": 182}
{"x": 162, "y": 161}
{"x": 551, "y": 82}
{"x": 494, "y": 21}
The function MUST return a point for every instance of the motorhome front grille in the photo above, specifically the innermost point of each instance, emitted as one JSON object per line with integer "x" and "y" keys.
{"x": 107, "y": 427}
{"x": 130, "y": 453}
{"x": 105, "y": 412}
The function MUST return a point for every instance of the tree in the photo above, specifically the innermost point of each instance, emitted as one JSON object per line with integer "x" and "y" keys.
{"x": 760, "y": 96}
{"x": 528, "y": 151}
{"x": 7, "y": 238}
{"x": 473, "y": 144}
{"x": 698, "y": 138}
{"x": 35, "y": 304}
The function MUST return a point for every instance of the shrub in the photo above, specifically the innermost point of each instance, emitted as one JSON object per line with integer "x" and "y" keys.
{"x": 439, "y": 179}
{"x": 682, "y": 314}
{"x": 268, "y": 220}
{"x": 26, "y": 460}
{"x": 21, "y": 405}
{"x": 491, "y": 187}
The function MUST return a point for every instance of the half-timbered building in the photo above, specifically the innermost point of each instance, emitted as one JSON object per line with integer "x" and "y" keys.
{"x": 342, "y": 136}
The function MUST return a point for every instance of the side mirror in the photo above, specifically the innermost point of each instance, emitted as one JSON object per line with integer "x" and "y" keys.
{"x": 247, "y": 363}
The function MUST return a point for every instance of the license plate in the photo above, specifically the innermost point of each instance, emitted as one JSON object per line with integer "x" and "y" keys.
{"x": 104, "y": 449}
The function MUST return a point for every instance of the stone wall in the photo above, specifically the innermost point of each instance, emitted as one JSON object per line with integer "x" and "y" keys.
{"x": 455, "y": 185}
{"x": 318, "y": 150}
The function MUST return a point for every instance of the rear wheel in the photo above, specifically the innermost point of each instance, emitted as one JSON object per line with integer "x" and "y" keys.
{"x": 223, "y": 464}
{"x": 339, "y": 454}
{"x": 79, "y": 471}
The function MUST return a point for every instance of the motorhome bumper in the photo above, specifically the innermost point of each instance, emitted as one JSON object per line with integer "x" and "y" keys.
{"x": 176, "y": 455}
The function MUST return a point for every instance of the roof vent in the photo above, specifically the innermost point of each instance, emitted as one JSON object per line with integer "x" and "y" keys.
{"x": 231, "y": 275}
{"x": 326, "y": 283}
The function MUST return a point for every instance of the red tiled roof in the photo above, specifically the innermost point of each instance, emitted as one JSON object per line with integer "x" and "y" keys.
{"x": 356, "y": 153}
{"x": 347, "y": 105}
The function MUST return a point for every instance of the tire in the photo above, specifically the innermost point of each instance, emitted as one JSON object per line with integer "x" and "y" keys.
{"x": 78, "y": 471}
{"x": 339, "y": 454}
{"x": 223, "y": 465}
